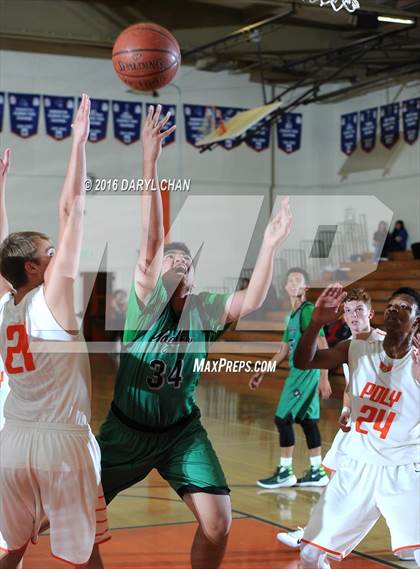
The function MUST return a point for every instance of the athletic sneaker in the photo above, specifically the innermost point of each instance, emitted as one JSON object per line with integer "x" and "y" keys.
{"x": 291, "y": 538}
{"x": 283, "y": 477}
{"x": 314, "y": 477}
{"x": 406, "y": 555}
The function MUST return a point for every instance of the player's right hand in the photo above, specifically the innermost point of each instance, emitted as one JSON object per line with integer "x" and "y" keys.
{"x": 152, "y": 136}
{"x": 81, "y": 123}
{"x": 328, "y": 307}
{"x": 5, "y": 164}
{"x": 256, "y": 380}
{"x": 344, "y": 421}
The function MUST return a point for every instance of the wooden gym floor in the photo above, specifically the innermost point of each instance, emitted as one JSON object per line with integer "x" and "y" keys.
{"x": 154, "y": 529}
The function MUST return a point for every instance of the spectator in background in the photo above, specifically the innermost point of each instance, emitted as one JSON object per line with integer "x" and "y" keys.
{"x": 398, "y": 237}
{"x": 380, "y": 241}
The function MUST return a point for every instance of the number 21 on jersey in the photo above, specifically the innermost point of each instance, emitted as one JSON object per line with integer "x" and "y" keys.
{"x": 16, "y": 334}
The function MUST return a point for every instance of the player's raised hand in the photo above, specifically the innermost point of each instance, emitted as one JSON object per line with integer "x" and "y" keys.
{"x": 81, "y": 123}
{"x": 256, "y": 380}
{"x": 328, "y": 307}
{"x": 5, "y": 164}
{"x": 152, "y": 134}
{"x": 279, "y": 227}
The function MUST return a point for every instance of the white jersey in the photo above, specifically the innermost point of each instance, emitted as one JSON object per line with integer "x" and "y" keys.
{"x": 376, "y": 335}
{"x": 4, "y": 392}
{"x": 385, "y": 407}
{"x": 45, "y": 387}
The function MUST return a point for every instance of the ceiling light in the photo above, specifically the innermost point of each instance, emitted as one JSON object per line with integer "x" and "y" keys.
{"x": 393, "y": 20}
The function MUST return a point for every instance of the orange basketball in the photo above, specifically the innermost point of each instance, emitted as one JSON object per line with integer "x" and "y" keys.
{"x": 146, "y": 57}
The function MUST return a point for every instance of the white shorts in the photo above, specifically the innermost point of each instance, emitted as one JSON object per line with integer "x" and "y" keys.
{"x": 51, "y": 472}
{"x": 354, "y": 500}
{"x": 331, "y": 458}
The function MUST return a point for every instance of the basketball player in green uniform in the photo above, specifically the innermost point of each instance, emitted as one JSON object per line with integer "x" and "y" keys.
{"x": 154, "y": 421}
{"x": 299, "y": 401}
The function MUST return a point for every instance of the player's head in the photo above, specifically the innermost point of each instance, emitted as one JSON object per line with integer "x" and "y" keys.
{"x": 402, "y": 314}
{"x": 358, "y": 311}
{"x": 24, "y": 258}
{"x": 177, "y": 264}
{"x": 297, "y": 282}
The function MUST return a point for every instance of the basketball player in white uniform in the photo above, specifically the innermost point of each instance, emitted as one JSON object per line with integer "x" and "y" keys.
{"x": 4, "y": 232}
{"x": 49, "y": 459}
{"x": 378, "y": 459}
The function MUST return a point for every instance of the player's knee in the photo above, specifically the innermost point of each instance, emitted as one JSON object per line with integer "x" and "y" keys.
{"x": 286, "y": 433}
{"x": 217, "y": 528}
{"x": 312, "y": 433}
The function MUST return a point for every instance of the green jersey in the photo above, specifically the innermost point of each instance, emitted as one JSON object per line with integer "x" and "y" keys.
{"x": 297, "y": 323}
{"x": 156, "y": 380}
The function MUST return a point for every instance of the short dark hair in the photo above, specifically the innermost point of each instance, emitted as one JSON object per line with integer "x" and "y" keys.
{"x": 359, "y": 294}
{"x": 176, "y": 245}
{"x": 301, "y": 272}
{"x": 411, "y": 292}
{"x": 17, "y": 249}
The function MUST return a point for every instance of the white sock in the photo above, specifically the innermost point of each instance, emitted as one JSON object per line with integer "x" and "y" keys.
{"x": 315, "y": 461}
{"x": 286, "y": 461}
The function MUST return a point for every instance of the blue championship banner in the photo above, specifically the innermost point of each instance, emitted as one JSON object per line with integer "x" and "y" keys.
{"x": 58, "y": 116}
{"x": 259, "y": 140}
{"x": 390, "y": 124}
{"x": 199, "y": 120}
{"x": 368, "y": 127}
{"x": 99, "y": 109}
{"x": 411, "y": 119}
{"x": 172, "y": 120}
{"x": 24, "y": 114}
{"x": 223, "y": 114}
{"x": 1, "y": 110}
{"x": 127, "y": 121}
{"x": 348, "y": 133}
{"x": 289, "y": 132}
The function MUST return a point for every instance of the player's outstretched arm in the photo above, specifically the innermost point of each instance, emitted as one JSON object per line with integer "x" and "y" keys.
{"x": 4, "y": 223}
{"x": 63, "y": 269}
{"x": 243, "y": 302}
{"x": 149, "y": 262}
{"x": 327, "y": 309}
{"x": 278, "y": 357}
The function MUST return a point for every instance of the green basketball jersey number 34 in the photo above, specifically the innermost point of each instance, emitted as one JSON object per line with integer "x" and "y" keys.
{"x": 156, "y": 381}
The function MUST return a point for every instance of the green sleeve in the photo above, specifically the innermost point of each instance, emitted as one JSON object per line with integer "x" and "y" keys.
{"x": 214, "y": 308}
{"x": 286, "y": 328}
{"x": 139, "y": 318}
{"x": 306, "y": 317}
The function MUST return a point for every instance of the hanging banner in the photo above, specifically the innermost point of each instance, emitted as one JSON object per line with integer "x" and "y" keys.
{"x": 259, "y": 140}
{"x": 390, "y": 124}
{"x": 1, "y": 110}
{"x": 127, "y": 121}
{"x": 348, "y": 133}
{"x": 199, "y": 120}
{"x": 99, "y": 109}
{"x": 58, "y": 112}
{"x": 289, "y": 132}
{"x": 24, "y": 114}
{"x": 368, "y": 127}
{"x": 223, "y": 114}
{"x": 411, "y": 119}
{"x": 172, "y": 120}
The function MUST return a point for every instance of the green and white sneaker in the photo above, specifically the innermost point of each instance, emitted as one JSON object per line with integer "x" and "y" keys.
{"x": 282, "y": 478}
{"x": 314, "y": 477}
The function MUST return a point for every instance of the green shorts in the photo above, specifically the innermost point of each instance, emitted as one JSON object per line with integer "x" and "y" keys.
{"x": 300, "y": 398}
{"x": 183, "y": 455}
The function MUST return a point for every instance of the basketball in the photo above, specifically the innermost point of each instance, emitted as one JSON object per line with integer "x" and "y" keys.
{"x": 146, "y": 56}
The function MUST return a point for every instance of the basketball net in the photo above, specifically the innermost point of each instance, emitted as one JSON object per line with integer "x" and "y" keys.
{"x": 337, "y": 5}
